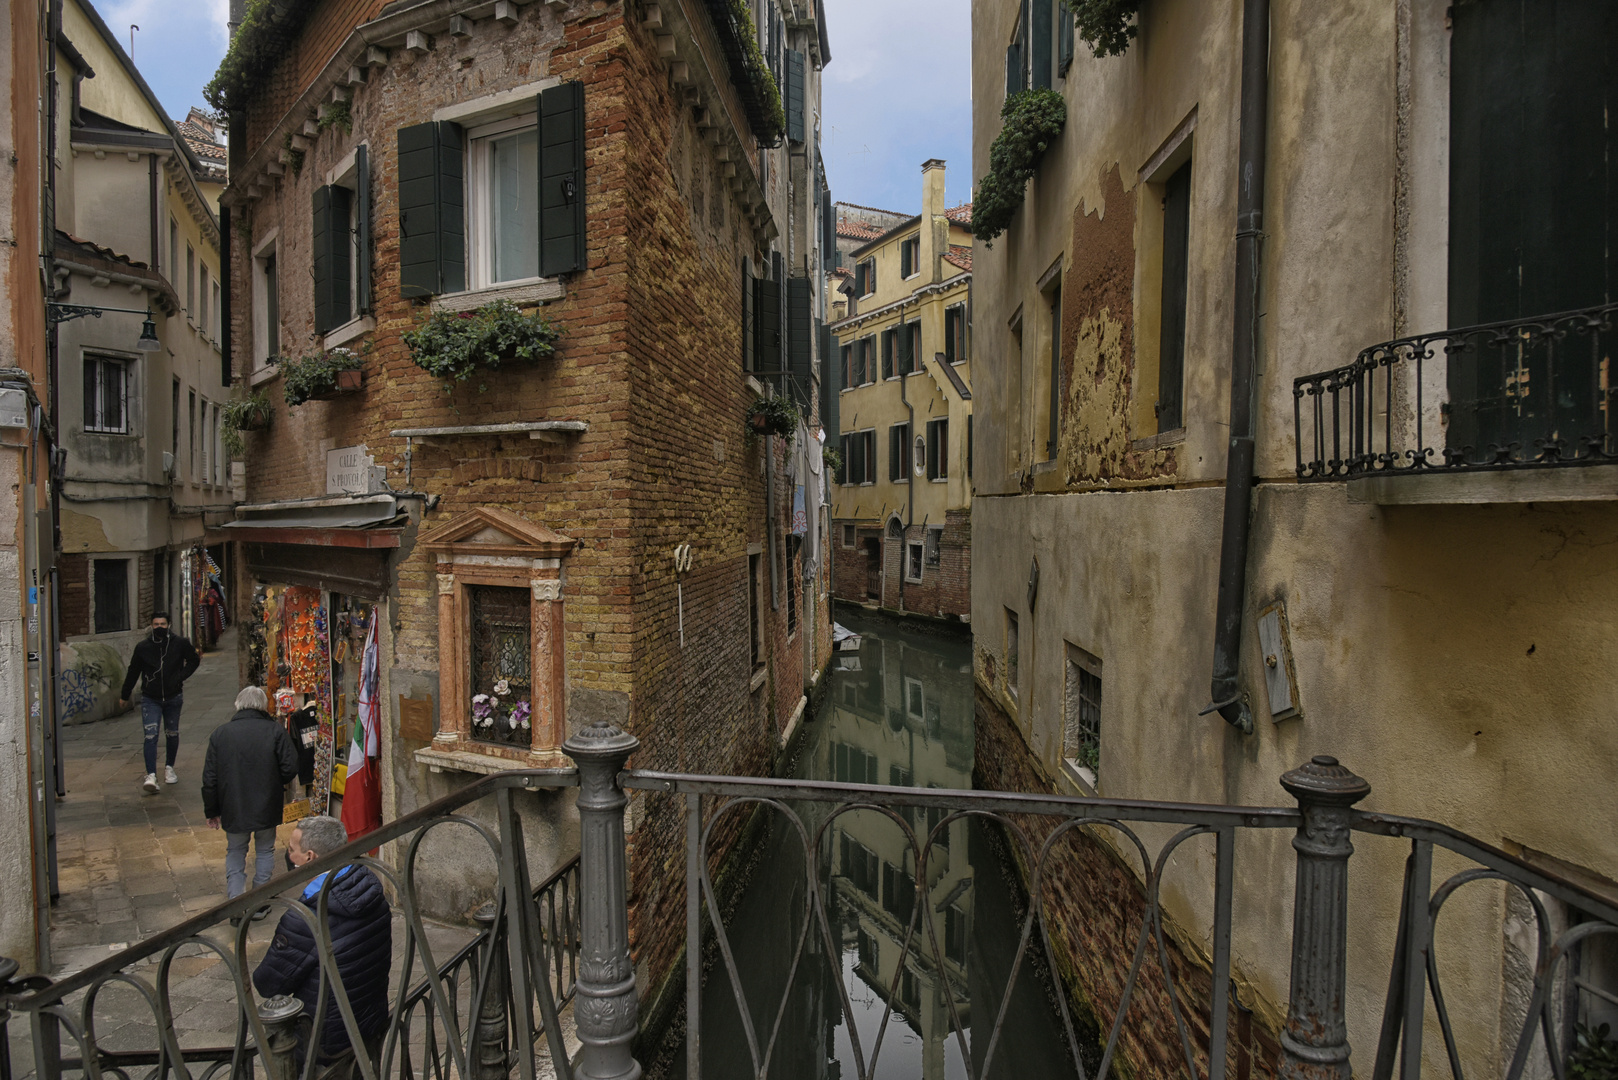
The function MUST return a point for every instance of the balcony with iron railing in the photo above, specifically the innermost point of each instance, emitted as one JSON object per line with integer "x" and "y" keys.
{"x": 494, "y": 1008}
{"x": 1509, "y": 411}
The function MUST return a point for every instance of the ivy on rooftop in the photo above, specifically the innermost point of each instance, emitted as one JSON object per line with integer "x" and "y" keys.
{"x": 262, "y": 39}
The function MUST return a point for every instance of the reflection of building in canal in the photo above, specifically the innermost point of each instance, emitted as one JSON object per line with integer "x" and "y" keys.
{"x": 903, "y": 718}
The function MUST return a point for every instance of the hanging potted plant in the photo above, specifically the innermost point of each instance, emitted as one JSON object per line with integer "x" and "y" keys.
{"x": 455, "y": 345}
{"x": 773, "y": 416}
{"x": 319, "y": 376}
{"x": 251, "y": 413}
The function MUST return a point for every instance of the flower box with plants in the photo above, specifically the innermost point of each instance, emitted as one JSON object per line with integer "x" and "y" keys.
{"x": 455, "y": 345}
{"x": 773, "y": 416}
{"x": 320, "y": 376}
{"x": 251, "y": 413}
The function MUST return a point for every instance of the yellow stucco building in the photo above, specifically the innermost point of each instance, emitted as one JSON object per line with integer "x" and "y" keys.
{"x": 901, "y": 519}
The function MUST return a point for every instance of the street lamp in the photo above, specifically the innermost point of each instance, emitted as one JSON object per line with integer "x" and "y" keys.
{"x": 147, "y": 342}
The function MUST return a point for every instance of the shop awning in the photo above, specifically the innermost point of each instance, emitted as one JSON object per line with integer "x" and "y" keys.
{"x": 367, "y": 521}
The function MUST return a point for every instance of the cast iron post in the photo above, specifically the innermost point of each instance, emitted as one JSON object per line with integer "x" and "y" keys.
{"x": 279, "y": 1015}
{"x": 1314, "y": 1043}
{"x": 605, "y": 1006}
{"x": 491, "y": 1034}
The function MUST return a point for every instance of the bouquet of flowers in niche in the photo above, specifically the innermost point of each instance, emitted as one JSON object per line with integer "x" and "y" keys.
{"x": 487, "y": 709}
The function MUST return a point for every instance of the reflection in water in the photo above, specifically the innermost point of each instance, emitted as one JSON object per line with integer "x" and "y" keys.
{"x": 897, "y": 712}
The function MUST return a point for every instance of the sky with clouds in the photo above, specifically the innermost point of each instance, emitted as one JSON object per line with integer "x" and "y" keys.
{"x": 897, "y": 91}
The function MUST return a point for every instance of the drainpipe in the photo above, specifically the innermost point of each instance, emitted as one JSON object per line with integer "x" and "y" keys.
{"x": 1227, "y": 695}
{"x": 910, "y": 481}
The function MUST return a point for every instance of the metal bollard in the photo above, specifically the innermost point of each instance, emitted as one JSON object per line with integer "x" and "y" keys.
{"x": 1314, "y": 1043}
{"x": 492, "y": 1063}
{"x": 280, "y": 1016}
{"x": 605, "y": 1006}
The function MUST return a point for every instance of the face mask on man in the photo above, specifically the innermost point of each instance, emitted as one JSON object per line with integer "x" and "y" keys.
{"x": 160, "y": 634}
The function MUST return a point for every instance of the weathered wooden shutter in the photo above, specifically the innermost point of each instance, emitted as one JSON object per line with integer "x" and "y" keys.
{"x": 831, "y": 382}
{"x": 766, "y": 326}
{"x": 362, "y": 230}
{"x": 1176, "y": 264}
{"x": 904, "y": 260}
{"x": 796, "y": 99}
{"x": 749, "y": 329}
{"x": 895, "y": 450}
{"x": 855, "y": 454}
{"x": 887, "y": 354}
{"x": 1064, "y": 40}
{"x": 1013, "y": 68}
{"x": 902, "y": 347}
{"x": 828, "y": 230}
{"x": 432, "y": 214}
{"x": 561, "y": 179}
{"x": 800, "y": 355}
{"x": 1039, "y": 40}
{"x": 330, "y": 257}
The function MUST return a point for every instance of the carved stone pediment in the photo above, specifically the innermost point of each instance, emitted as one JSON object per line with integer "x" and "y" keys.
{"x": 487, "y": 530}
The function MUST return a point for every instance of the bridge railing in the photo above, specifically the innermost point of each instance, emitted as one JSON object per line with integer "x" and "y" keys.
{"x": 490, "y": 1009}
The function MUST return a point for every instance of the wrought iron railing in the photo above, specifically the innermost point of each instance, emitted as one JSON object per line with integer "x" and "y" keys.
{"x": 484, "y": 1011}
{"x": 1522, "y": 393}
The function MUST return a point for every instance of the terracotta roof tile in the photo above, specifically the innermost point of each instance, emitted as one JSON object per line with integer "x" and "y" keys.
{"x": 961, "y": 215}
{"x": 961, "y": 256}
{"x": 859, "y": 230}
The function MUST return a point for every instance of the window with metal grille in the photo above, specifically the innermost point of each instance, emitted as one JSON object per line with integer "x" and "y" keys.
{"x": 935, "y": 542}
{"x": 106, "y": 395}
{"x": 1081, "y": 734}
{"x": 913, "y": 561}
{"x": 502, "y": 664}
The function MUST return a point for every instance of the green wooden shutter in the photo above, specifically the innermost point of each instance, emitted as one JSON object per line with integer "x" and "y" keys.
{"x": 432, "y": 213}
{"x": 895, "y": 452}
{"x": 749, "y": 330}
{"x": 1064, "y": 40}
{"x": 1040, "y": 44}
{"x": 362, "y": 230}
{"x": 904, "y": 360}
{"x": 561, "y": 179}
{"x": 904, "y": 259}
{"x": 330, "y": 257}
{"x": 795, "y": 97}
{"x": 800, "y": 355}
{"x": 767, "y": 326}
{"x": 1013, "y": 68}
{"x": 831, "y": 382}
{"x": 887, "y": 354}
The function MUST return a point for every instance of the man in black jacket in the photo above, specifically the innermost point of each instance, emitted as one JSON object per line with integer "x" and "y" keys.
{"x": 250, "y": 761}
{"x": 162, "y": 663}
{"x": 361, "y": 925}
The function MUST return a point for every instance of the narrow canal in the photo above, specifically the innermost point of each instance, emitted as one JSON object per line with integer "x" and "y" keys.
{"x": 898, "y": 712}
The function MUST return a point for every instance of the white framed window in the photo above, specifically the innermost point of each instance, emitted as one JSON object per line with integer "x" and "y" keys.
{"x": 266, "y": 302}
{"x": 913, "y": 560}
{"x": 502, "y": 202}
{"x": 1081, "y": 714}
{"x": 106, "y": 394}
{"x": 218, "y": 449}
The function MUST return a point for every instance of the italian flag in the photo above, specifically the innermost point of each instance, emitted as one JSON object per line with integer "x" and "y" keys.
{"x": 362, "y": 796}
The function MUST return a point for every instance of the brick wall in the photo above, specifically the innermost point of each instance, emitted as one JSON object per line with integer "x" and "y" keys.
{"x": 75, "y": 595}
{"x": 650, "y": 359}
{"x": 944, "y": 591}
{"x": 1095, "y": 904}
{"x": 144, "y": 606}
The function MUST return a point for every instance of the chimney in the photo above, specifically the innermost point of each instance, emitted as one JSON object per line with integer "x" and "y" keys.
{"x": 934, "y": 225}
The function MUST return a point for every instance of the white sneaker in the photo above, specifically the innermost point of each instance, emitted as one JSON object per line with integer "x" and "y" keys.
{"x": 150, "y": 783}
{"x": 168, "y": 775}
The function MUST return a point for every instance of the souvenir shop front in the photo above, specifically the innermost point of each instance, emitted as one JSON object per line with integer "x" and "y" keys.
{"x": 204, "y": 612}
{"x": 311, "y": 615}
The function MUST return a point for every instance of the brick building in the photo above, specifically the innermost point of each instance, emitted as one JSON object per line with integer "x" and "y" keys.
{"x": 900, "y": 398}
{"x": 596, "y": 535}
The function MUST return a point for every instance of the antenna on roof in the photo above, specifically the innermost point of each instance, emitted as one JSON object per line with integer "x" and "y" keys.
{"x": 132, "y": 29}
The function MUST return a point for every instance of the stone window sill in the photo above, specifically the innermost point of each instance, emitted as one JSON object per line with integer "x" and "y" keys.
{"x": 758, "y": 678}
{"x": 263, "y": 375}
{"x": 342, "y": 335}
{"x": 1170, "y": 437}
{"x": 439, "y": 760}
{"x": 533, "y": 291}
{"x": 1079, "y": 777}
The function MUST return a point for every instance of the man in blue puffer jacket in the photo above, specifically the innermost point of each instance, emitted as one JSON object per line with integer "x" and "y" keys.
{"x": 362, "y": 943}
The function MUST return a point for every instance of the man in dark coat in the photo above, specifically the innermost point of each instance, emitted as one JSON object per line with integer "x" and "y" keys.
{"x": 361, "y": 925}
{"x": 250, "y": 761}
{"x": 162, "y": 662}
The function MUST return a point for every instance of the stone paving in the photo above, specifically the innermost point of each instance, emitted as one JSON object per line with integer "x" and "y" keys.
{"x": 131, "y": 865}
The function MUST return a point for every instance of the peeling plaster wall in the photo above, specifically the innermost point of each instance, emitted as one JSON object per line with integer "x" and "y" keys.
{"x": 1454, "y": 656}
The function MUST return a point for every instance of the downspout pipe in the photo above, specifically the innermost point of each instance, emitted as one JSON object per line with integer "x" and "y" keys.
{"x": 910, "y": 481}
{"x": 1228, "y": 699}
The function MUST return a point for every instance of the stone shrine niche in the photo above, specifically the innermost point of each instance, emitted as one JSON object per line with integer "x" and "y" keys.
{"x": 501, "y": 660}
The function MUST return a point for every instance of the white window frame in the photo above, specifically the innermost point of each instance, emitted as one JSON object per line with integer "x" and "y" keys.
{"x": 479, "y": 252}
{"x": 263, "y": 251}
{"x": 915, "y": 550}
{"x": 127, "y": 366}
{"x": 345, "y": 175}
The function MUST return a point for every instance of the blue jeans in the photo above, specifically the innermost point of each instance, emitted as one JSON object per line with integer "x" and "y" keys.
{"x": 236, "y": 860}
{"x": 150, "y": 710}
